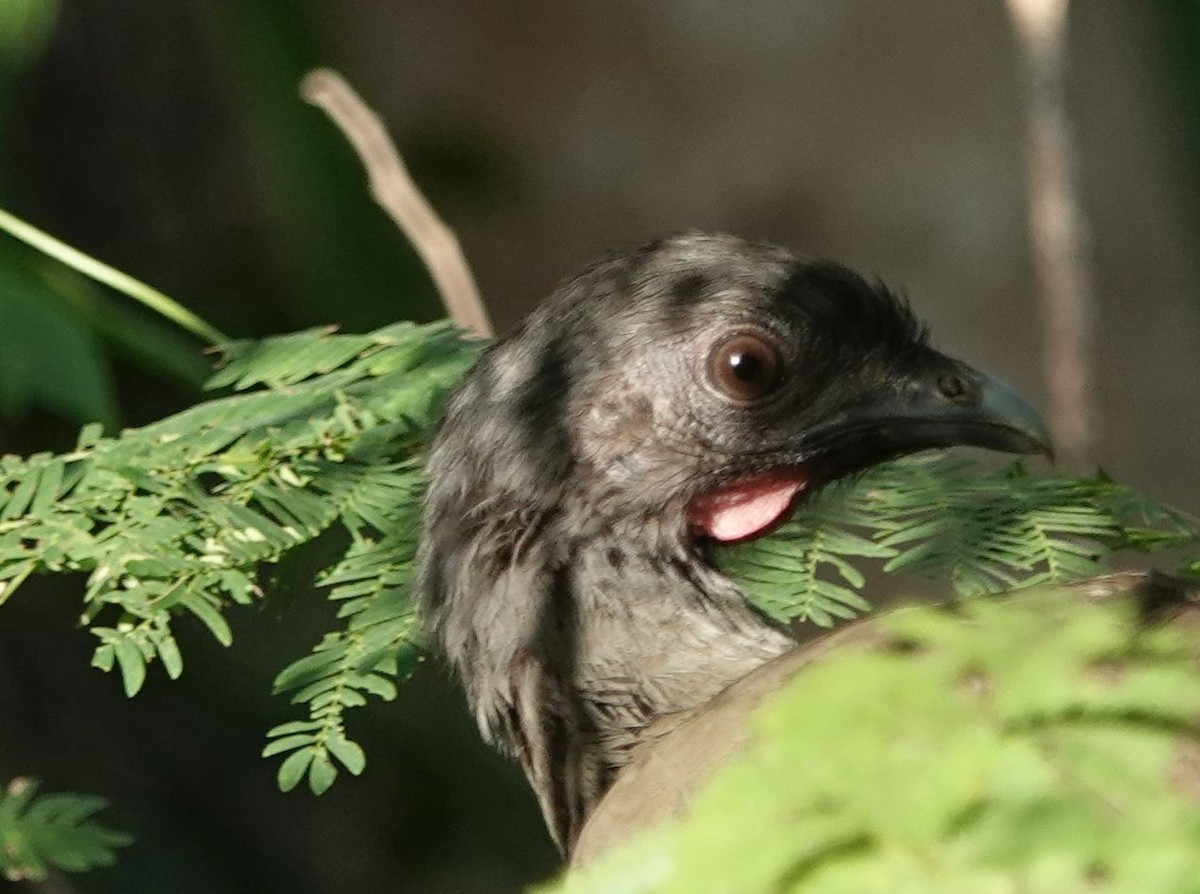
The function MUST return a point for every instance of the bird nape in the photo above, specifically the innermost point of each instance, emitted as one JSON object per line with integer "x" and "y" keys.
{"x": 686, "y": 393}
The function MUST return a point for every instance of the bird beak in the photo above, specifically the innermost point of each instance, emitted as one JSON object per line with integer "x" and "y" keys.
{"x": 1003, "y": 420}
{"x": 951, "y": 405}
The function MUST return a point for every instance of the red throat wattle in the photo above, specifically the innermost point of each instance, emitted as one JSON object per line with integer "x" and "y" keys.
{"x": 746, "y": 508}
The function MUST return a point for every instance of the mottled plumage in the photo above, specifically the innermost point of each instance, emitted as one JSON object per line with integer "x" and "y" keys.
{"x": 567, "y": 570}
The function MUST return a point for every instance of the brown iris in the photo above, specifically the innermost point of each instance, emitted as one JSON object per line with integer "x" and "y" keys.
{"x": 745, "y": 366}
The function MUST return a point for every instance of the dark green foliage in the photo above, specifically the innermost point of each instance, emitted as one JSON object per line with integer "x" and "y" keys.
{"x": 1009, "y": 745}
{"x": 42, "y": 831}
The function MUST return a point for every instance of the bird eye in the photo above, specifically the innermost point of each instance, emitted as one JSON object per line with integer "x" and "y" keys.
{"x": 744, "y": 367}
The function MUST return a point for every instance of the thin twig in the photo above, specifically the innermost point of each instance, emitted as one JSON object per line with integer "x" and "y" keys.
{"x": 393, "y": 188}
{"x": 1058, "y": 231}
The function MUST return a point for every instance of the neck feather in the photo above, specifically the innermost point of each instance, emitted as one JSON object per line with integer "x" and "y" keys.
{"x": 569, "y": 648}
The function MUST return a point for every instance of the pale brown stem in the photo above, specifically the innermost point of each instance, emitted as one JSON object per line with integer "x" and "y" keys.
{"x": 1058, "y": 232}
{"x": 393, "y": 188}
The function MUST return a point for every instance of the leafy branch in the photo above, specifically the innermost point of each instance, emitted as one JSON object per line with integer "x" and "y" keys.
{"x": 177, "y": 518}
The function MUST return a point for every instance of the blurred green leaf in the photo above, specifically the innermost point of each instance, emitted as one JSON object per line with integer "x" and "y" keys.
{"x": 48, "y": 358}
{"x": 25, "y": 28}
{"x": 41, "y": 831}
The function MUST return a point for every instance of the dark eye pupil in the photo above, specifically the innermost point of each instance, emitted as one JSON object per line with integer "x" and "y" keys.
{"x": 744, "y": 367}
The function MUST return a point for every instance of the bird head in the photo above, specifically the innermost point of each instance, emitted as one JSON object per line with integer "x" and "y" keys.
{"x": 734, "y": 378}
{"x": 701, "y": 385}
{"x": 689, "y": 391}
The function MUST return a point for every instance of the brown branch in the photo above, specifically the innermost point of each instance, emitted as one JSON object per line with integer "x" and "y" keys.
{"x": 1058, "y": 231}
{"x": 393, "y": 188}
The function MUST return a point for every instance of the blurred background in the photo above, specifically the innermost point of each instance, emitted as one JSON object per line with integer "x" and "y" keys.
{"x": 168, "y": 139}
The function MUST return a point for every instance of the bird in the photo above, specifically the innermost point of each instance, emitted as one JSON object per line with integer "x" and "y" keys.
{"x": 669, "y": 399}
